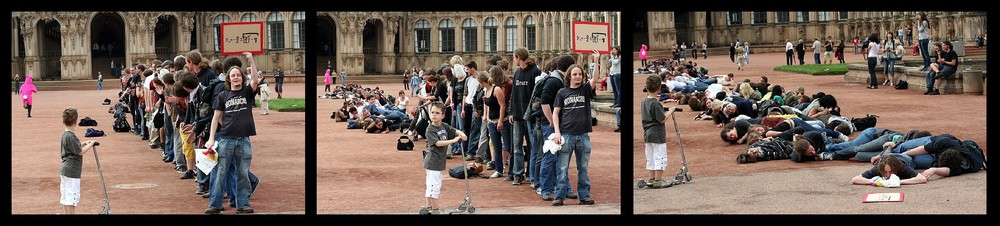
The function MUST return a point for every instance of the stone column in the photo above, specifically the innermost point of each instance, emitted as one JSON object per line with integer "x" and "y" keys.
{"x": 391, "y": 28}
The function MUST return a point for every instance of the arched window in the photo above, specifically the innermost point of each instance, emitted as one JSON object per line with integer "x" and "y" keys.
{"x": 299, "y": 29}
{"x": 510, "y": 28}
{"x": 249, "y": 17}
{"x": 490, "y": 34}
{"x": 529, "y": 33}
{"x": 216, "y": 23}
{"x": 422, "y": 41}
{"x": 469, "y": 35}
{"x": 275, "y": 31}
{"x": 446, "y": 36}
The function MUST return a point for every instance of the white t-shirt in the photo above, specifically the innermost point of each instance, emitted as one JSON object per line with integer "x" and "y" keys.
{"x": 874, "y": 49}
{"x": 788, "y": 46}
{"x": 146, "y": 83}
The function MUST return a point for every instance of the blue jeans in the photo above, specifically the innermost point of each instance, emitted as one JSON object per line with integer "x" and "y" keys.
{"x": 456, "y": 121}
{"x": 923, "y": 52}
{"x": 872, "y": 61}
{"x": 890, "y": 67}
{"x": 233, "y": 152}
{"x": 473, "y": 142}
{"x": 547, "y": 170}
{"x": 495, "y": 138}
{"x": 816, "y": 57}
{"x": 578, "y": 144}
{"x": 518, "y": 135}
{"x": 99, "y": 84}
{"x": 536, "y": 149}
{"x": 616, "y": 80}
{"x": 922, "y": 161}
{"x": 168, "y": 138}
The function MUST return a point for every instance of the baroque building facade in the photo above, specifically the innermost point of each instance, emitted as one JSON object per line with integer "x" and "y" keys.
{"x": 78, "y": 45}
{"x": 661, "y": 30}
{"x": 392, "y": 42}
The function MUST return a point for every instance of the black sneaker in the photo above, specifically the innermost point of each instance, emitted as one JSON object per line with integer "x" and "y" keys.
{"x": 587, "y": 201}
{"x": 244, "y": 210}
{"x": 202, "y": 189}
{"x": 546, "y": 197}
{"x": 618, "y": 129}
{"x": 935, "y": 92}
{"x": 213, "y": 211}
{"x": 557, "y": 202}
{"x": 180, "y": 169}
{"x": 188, "y": 175}
{"x": 517, "y": 180}
{"x": 571, "y": 195}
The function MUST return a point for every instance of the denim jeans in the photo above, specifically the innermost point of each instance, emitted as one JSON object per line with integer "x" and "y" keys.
{"x": 483, "y": 147}
{"x": 922, "y": 161}
{"x": 456, "y": 121}
{"x": 495, "y": 138}
{"x": 518, "y": 135}
{"x": 872, "y": 61}
{"x": 863, "y": 152}
{"x": 616, "y": 80}
{"x": 168, "y": 138}
{"x": 474, "y": 129}
{"x": 536, "y": 149}
{"x": 578, "y": 144}
{"x": 238, "y": 152}
{"x": 99, "y": 84}
{"x": 923, "y": 52}
{"x": 890, "y": 67}
{"x": 816, "y": 57}
{"x": 179, "y": 158}
{"x": 547, "y": 170}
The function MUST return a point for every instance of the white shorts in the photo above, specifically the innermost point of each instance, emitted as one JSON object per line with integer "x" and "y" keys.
{"x": 69, "y": 190}
{"x": 656, "y": 156}
{"x": 433, "y": 184}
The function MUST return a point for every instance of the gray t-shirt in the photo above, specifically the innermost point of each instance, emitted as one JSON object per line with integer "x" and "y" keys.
{"x": 653, "y": 130}
{"x": 816, "y": 46}
{"x": 72, "y": 161}
{"x": 237, "y": 116}
{"x": 436, "y": 157}
{"x": 574, "y": 116}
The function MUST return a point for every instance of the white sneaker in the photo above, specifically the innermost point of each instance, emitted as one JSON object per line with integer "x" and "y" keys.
{"x": 845, "y": 138}
{"x": 496, "y": 174}
{"x": 826, "y": 156}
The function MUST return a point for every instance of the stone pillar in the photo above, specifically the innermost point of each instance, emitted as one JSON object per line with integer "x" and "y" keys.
{"x": 391, "y": 28}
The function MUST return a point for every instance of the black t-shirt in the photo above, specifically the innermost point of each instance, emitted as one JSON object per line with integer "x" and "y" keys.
{"x": 949, "y": 56}
{"x": 574, "y": 104}
{"x": 800, "y": 48}
{"x": 458, "y": 97}
{"x": 237, "y": 116}
{"x": 829, "y": 46}
{"x": 548, "y": 95}
{"x": 941, "y": 143}
{"x": 441, "y": 92}
{"x": 524, "y": 81}
{"x": 906, "y": 172}
{"x": 741, "y": 127}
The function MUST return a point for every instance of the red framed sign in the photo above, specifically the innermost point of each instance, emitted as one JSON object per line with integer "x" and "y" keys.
{"x": 590, "y": 36}
{"x": 239, "y": 37}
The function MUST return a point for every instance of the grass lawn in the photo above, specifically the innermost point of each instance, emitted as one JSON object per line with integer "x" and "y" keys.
{"x": 286, "y": 104}
{"x": 815, "y": 69}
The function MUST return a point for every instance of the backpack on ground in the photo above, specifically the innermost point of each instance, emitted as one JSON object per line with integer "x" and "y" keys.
{"x": 863, "y": 123}
{"x": 975, "y": 149}
{"x": 471, "y": 170}
{"x": 106, "y": 101}
{"x": 404, "y": 143}
{"x": 121, "y": 124}
{"x": 91, "y": 132}
{"x": 902, "y": 84}
{"x": 87, "y": 121}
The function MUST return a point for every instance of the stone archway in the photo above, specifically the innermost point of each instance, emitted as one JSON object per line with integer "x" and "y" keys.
{"x": 371, "y": 43}
{"x": 326, "y": 34}
{"x": 640, "y": 30}
{"x": 107, "y": 42}
{"x": 165, "y": 37}
{"x": 49, "y": 41}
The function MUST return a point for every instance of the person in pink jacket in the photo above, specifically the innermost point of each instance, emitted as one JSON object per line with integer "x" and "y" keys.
{"x": 26, "y": 92}
{"x": 642, "y": 54}
{"x": 327, "y": 81}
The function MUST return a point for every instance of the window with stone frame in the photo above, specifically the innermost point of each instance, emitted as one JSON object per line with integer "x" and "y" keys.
{"x": 422, "y": 39}
{"x": 469, "y": 39}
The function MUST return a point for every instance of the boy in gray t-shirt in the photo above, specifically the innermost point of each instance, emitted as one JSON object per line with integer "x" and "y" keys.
{"x": 653, "y": 131}
{"x": 437, "y": 134}
{"x": 72, "y": 151}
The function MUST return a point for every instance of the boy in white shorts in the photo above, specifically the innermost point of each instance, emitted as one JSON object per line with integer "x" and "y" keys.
{"x": 72, "y": 162}
{"x": 437, "y": 134}
{"x": 653, "y": 130}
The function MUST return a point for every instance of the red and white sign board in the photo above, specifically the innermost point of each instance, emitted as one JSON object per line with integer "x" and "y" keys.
{"x": 590, "y": 36}
{"x": 239, "y": 37}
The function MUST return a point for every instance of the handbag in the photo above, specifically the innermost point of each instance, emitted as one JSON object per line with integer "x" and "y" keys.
{"x": 158, "y": 118}
{"x": 404, "y": 143}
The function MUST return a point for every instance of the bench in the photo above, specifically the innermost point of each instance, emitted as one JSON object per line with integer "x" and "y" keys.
{"x": 957, "y": 83}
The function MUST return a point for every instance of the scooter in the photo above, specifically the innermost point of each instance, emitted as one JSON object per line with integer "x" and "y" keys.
{"x": 682, "y": 177}
{"x": 107, "y": 202}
